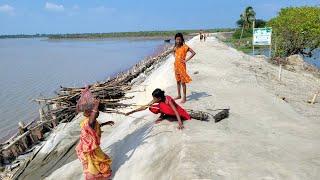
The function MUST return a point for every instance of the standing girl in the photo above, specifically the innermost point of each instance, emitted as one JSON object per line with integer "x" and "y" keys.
{"x": 180, "y": 52}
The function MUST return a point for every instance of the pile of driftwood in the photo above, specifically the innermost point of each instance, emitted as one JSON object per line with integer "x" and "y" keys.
{"x": 62, "y": 108}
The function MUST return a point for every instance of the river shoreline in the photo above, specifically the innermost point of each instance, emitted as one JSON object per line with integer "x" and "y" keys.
{"x": 142, "y": 34}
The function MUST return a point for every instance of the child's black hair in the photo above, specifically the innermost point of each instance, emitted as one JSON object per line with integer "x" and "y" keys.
{"x": 179, "y": 35}
{"x": 158, "y": 93}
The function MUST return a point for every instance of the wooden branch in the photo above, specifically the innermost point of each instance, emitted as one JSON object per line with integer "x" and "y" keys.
{"x": 313, "y": 100}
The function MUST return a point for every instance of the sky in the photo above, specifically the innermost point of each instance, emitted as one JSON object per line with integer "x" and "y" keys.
{"x": 97, "y": 16}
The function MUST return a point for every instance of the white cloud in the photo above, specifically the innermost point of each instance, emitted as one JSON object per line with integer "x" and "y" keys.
{"x": 54, "y": 7}
{"x": 7, "y": 9}
{"x": 103, "y": 9}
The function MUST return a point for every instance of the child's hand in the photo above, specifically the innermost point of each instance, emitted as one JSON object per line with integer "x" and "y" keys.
{"x": 180, "y": 126}
{"x": 187, "y": 59}
{"x": 96, "y": 102}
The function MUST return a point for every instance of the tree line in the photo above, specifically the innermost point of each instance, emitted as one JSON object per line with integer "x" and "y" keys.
{"x": 295, "y": 30}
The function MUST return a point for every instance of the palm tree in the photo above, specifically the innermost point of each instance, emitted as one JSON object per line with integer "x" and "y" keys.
{"x": 247, "y": 17}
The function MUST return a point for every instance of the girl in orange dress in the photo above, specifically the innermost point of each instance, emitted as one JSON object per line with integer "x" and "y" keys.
{"x": 180, "y": 52}
{"x": 96, "y": 164}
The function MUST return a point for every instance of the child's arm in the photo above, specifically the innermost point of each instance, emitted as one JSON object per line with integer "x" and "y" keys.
{"x": 173, "y": 50}
{"x": 141, "y": 108}
{"x": 192, "y": 54}
{"x": 177, "y": 115}
{"x": 92, "y": 118}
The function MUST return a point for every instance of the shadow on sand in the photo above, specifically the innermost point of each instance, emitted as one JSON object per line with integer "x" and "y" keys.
{"x": 197, "y": 95}
{"x": 122, "y": 150}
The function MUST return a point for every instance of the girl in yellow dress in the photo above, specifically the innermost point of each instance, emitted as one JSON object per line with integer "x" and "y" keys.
{"x": 96, "y": 164}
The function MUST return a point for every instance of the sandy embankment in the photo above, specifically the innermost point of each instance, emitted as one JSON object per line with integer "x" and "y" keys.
{"x": 264, "y": 137}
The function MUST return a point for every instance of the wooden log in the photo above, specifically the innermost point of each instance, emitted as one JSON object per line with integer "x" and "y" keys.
{"x": 45, "y": 100}
{"x": 41, "y": 113}
{"x": 33, "y": 141}
{"x": 24, "y": 142}
{"x": 14, "y": 151}
{"x": 313, "y": 100}
{"x": 54, "y": 121}
{"x": 34, "y": 138}
{"x": 19, "y": 147}
{"x": 15, "y": 141}
{"x": 56, "y": 111}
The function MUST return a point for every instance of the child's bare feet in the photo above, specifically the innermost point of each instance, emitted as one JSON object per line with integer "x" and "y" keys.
{"x": 158, "y": 120}
{"x": 183, "y": 100}
{"x": 178, "y": 97}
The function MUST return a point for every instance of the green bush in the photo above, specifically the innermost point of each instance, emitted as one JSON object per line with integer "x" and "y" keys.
{"x": 246, "y": 33}
{"x": 296, "y": 30}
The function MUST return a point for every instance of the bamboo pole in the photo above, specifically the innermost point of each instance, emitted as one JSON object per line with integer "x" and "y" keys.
{"x": 280, "y": 72}
{"x": 270, "y": 51}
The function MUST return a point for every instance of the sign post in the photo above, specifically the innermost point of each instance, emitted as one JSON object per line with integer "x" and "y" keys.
{"x": 262, "y": 37}
{"x": 253, "y": 25}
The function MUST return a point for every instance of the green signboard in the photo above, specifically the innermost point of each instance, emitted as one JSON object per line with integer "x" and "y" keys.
{"x": 262, "y": 36}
